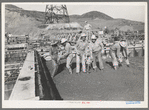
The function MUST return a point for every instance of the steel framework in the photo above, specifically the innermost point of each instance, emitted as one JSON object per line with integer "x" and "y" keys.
{"x": 56, "y": 14}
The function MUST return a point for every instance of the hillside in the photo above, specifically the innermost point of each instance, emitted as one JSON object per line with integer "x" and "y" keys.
{"x": 9, "y": 6}
{"x": 20, "y": 21}
{"x": 93, "y": 15}
{"x": 39, "y": 16}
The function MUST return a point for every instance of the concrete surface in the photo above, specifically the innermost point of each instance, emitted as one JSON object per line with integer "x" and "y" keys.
{"x": 24, "y": 88}
{"x": 124, "y": 84}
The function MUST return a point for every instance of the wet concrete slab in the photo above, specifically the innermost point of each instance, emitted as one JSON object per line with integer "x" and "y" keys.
{"x": 24, "y": 88}
{"x": 124, "y": 84}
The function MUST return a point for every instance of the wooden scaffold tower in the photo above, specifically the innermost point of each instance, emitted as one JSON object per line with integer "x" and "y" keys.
{"x": 56, "y": 14}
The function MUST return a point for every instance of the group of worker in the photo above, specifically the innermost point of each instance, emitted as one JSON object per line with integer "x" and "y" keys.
{"x": 86, "y": 51}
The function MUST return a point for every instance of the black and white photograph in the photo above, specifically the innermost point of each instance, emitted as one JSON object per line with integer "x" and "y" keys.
{"x": 74, "y": 55}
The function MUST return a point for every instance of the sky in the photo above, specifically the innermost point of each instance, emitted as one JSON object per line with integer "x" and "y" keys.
{"x": 132, "y": 11}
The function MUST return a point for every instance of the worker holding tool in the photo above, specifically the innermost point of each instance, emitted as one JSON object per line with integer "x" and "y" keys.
{"x": 80, "y": 47}
{"x": 52, "y": 58}
{"x": 87, "y": 30}
{"x": 124, "y": 51}
{"x": 116, "y": 49}
{"x": 88, "y": 58}
{"x": 97, "y": 46}
{"x": 67, "y": 53}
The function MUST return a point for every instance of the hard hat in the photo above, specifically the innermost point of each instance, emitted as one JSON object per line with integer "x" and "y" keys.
{"x": 123, "y": 39}
{"x": 63, "y": 40}
{"x": 73, "y": 41}
{"x": 93, "y": 37}
{"x": 85, "y": 21}
{"x": 116, "y": 38}
{"x": 83, "y": 34}
{"x": 54, "y": 43}
{"x": 123, "y": 43}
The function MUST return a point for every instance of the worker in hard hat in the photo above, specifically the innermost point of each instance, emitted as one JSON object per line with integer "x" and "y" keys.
{"x": 124, "y": 50}
{"x": 88, "y": 58}
{"x": 87, "y": 30}
{"x": 87, "y": 26}
{"x": 80, "y": 46}
{"x": 53, "y": 55}
{"x": 96, "y": 45}
{"x": 115, "y": 51}
{"x": 67, "y": 53}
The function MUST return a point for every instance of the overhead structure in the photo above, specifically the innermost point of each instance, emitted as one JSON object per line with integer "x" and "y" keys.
{"x": 56, "y": 14}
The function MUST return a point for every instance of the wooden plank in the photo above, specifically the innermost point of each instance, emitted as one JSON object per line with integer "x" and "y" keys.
{"x": 8, "y": 69}
{"x": 14, "y": 64}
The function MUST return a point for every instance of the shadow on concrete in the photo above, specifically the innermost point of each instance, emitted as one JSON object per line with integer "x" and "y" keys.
{"x": 61, "y": 67}
{"x": 48, "y": 84}
{"x": 109, "y": 63}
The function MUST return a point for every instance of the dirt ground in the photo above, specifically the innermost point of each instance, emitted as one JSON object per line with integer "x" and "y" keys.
{"x": 124, "y": 84}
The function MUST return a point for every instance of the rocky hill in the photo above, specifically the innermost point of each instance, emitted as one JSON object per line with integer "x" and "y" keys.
{"x": 93, "y": 15}
{"x": 19, "y": 21}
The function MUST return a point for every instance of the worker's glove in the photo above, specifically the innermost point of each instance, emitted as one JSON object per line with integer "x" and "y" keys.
{"x": 104, "y": 44}
{"x": 115, "y": 63}
{"x": 74, "y": 52}
{"x": 58, "y": 60}
{"x": 102, "y": 51}
{"x": 127, "y": 62}
{"x": 78, "y": 54}
{"x": 120, "y": 60}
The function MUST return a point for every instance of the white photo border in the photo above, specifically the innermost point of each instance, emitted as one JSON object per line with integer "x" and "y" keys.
{"x": 77, "y": 104}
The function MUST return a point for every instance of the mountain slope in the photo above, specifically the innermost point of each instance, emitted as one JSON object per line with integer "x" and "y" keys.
{"x": 96, "y": 14}
{"x": 19, "y": 21}
{"x": 39, "y": 16}
{"x": 9, "y": 6}
{"x": 93, "y": 15}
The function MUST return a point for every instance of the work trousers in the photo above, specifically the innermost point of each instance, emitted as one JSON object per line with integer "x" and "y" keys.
{"x": 120, "y": 59}
{"x": 114, "y": 59}
{"x": 69, "y": 60}
{"x": 97, "y": 55}
{"x": 52, "y": 66}
{"x": 88, "y": 34}
{"x": 78, "y": 63}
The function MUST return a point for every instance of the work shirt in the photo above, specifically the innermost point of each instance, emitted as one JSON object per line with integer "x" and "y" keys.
{"x": 97, "y": 46}
{"x": 116, "y": 46}
{"x": 67, "y": 50}
{"x": 80, "y": 46}
{"x": 53, "y": 51}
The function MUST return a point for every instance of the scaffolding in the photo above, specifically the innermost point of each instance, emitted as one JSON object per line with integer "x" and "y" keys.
{"x": 56, "y": 14}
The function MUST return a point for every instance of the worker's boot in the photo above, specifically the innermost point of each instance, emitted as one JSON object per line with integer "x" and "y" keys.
{"x": 88, "y": 68}
{"x": 115, "y": 67}
{"x": 120, "y": 60}
{"x": 102, "y": 69}
{"x": 78, "y": 73}
{"x": 70, "y": 70}
{"x": 127, "y": 62}
{"x": 95, "y": 69}
{"x": 115, "y": 64}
